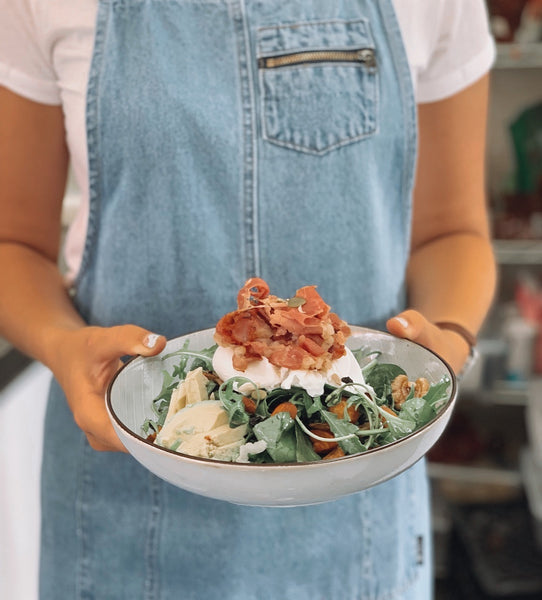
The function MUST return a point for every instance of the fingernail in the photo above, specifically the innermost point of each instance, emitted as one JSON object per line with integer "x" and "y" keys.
{"x": 403, "y": 322}
{"x": 150, "y": 340}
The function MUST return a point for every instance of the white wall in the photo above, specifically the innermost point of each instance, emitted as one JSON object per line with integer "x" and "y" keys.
{"x": 22, "y": 409}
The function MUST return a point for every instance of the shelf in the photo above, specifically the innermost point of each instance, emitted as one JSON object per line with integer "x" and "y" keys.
{"x": 503, "y": 393}
{"x": 519, "y": 56}
{"x": 476, "y": 475}
{"x": 518, "y": 252}
{"x": 506, "y": 393}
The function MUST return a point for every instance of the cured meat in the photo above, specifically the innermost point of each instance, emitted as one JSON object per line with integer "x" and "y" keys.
{"x": 296, "y": 333}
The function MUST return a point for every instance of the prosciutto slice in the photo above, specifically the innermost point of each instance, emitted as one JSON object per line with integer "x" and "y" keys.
{"x": 296, "y": 333}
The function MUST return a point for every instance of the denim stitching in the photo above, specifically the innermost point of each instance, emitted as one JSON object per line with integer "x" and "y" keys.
{"x": 130, "y": 3}
{"x": 151, "y": 586}
{"x": 412, "y": 508}
{"x": 404, "y": 78}
{"x": 367, "y": 566}
{"x": 92, "y": 109}
{"x": 365, "y": 21}
{"x": 326, "y": 150}
{"x": 250, "y": 212}
{"x": 83, "y": 579}
{"x": 413, "y": 573}
{"x": 398, "y": 592}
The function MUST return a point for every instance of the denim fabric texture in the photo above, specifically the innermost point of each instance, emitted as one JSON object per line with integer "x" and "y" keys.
{"x": 206, "y": 169}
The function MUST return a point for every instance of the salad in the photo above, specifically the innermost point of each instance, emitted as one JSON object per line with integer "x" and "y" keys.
{"x": 280, "y": 385}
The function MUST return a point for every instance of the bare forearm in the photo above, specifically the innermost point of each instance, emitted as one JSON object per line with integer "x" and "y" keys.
{"x": 35, "y": 308}
{"x": 453, "y": 278}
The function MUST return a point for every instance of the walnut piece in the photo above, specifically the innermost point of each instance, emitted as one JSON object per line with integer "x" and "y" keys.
{"x": 401, "y": 386}
{"x": 400, "y": 389}
{"x": 421, "y": 387}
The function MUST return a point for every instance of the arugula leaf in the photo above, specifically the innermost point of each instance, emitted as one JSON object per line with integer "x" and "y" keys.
{"x": 277, "y": 396}
{"x": 417, "y": 410}
{"x": 260, "y": 458}
{"x": 438, "y": 394}
{"x": 262, "y": 410}
{"x": 367, "y": 360}
{"x": 160, "y": 404}
{"x": 398, "y": 426}
{"x": 313, "y": 405}
{"x": 279, "y": 433}
{"x": 169, "y": 383}
{"x": 203, "y": 358}
{"x": 381, "y": 376}
{"x": 340, "y": 428}
{"x": 232, "y": 401}
{"x": 302, "y": 401}
{"x": 304, "y": 450}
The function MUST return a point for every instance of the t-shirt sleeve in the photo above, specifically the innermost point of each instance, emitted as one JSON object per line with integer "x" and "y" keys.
{"x": 464, "y": 50}
{"x": 25, "y": 67}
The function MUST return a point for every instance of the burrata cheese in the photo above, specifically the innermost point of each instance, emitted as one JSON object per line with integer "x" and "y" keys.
{"x": 267, "y": 376}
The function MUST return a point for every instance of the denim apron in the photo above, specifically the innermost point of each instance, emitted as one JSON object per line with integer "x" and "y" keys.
{"x": 213, "y": 158}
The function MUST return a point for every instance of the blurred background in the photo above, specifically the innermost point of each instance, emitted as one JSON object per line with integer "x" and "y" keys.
{"x": 486, "y": 470}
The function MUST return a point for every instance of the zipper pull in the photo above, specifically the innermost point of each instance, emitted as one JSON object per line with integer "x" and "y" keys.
{"x": 367, "y": 57}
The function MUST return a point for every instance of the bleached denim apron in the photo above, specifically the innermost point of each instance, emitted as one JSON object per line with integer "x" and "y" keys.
{"x": 214, "y": 158}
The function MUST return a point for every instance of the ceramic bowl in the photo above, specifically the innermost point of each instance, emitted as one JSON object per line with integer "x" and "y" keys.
{"x": 129, "y": 398}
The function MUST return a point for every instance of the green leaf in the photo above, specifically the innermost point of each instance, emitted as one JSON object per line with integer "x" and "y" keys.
{"x": 367, "y": 360}
{"x": 398, "y": 426}
{"x": 191, "y": 359}
{"x": 277, "y": 396}
{"x": 304, "y": 450}
{"x": 418, "y": 410}
{"x": 262, "y": 410}
{"x": 279, "y": 434}
{"x": 232, "y": 402}
{"x": 438, "y": 394}
{"x": 339, "y": 428}
{"x": 313, "y": 405}
{"x": 261, "y": 458}
{"x": 169, "y": 383}
{"x": 381, "y": 376}
{"x": 296, "y": 302}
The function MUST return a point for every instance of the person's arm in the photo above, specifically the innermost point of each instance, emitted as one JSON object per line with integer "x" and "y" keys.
{"x": 451, "y": 275}
{"x": 36, "y": 313}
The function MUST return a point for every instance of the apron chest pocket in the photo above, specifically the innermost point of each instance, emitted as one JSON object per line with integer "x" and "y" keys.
{"x": 318, "y": 84}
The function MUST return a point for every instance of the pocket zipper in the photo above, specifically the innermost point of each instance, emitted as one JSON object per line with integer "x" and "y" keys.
{"x": 364, "y": 56}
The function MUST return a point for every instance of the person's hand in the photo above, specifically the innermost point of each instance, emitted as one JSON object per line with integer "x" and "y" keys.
{"x": 85, "y": 361}
{"x": 447, "y": 344}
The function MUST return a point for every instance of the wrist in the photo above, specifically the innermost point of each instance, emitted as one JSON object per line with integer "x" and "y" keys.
{"x": 55, "y": 342}
{"x": 463, "y": 332}
{"x": 463, "y": 353}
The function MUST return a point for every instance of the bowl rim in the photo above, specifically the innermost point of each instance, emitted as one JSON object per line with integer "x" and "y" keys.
{"x": 289, "y": 465}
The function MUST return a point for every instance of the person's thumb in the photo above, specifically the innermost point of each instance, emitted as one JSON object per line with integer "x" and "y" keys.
{"x": 412, "y": 325}
{"x": 130, "y": 340}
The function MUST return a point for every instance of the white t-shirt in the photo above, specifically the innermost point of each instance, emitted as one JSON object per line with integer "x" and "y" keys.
{"x": 46, "y": 47}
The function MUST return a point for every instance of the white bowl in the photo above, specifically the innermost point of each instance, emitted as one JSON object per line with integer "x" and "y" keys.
{"x": 129, "y": 398}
